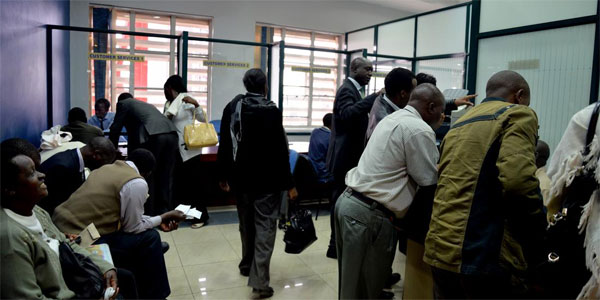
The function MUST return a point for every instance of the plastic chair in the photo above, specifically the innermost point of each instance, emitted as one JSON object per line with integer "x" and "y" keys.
{"x": 217, "y": 124}
{"x": 308, "y": 185}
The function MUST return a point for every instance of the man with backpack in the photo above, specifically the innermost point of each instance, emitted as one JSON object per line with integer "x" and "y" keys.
{"x": 253, "y": 162}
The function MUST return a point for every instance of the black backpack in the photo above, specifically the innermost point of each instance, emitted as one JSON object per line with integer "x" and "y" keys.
{"x": 81, "y": 275}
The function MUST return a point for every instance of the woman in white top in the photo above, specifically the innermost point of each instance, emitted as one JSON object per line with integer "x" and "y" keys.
{"x": 180, "y": 108}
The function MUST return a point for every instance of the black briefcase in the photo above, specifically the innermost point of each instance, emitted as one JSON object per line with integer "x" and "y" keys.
{"x": 299, "y": 231}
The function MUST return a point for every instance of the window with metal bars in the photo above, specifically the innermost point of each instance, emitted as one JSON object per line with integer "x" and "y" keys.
{"x": 307, "y": 95}
{"x": 145, "y": 79}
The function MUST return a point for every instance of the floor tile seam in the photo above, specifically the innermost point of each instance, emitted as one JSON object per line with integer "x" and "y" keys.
{"x": 212, "y": 263}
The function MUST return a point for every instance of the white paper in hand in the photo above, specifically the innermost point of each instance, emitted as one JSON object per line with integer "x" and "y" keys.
{"x": 194, "y": 213}
{"x": 183, "y": 208}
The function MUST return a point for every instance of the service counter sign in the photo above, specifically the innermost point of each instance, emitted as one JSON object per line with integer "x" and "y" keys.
{"x": 226, "y": 64}
{"x": 311, "y": 70}
{"x": 111, "y": 56}
{"x": 379, "y": 74}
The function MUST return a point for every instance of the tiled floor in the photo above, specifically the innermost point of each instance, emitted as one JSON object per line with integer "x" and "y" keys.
{"x": 202, "y": 264}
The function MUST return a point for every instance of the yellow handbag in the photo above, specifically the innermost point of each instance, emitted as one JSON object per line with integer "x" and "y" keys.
{"x": 198, "y": 135}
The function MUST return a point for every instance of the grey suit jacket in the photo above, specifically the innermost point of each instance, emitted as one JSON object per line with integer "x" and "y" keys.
{"x": 141, "y": 120}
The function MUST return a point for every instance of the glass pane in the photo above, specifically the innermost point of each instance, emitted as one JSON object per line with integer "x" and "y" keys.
{"x": 442, "y": 32}
{"x": 152, "y": 23}
{"x": 557, "y": 64}
{"x": 382, "y": 66}
{"x": 196, "y": 28}
{"x": 155, "y": 97}
{"x": 327, "y": 41}
{"x": 448, "y": 71}
{"x": 298, "y": 38}
{"x": 496, "y": 15}
{"x": 397, "y": 38}
{"x": 363, "y": 39}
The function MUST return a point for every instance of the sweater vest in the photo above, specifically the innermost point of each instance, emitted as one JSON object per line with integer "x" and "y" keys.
{"x": 97, "y": 201}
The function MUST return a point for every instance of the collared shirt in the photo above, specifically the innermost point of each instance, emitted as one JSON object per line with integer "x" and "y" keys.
{"x": 104, "y": 123}
{"x": 394, "y": 106}
{"x": 400, "y": 156}
{"x": 133, "y": 196}
{"x": 356, "y": 84}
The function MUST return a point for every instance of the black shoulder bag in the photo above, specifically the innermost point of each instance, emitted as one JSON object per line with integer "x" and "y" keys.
{"x": 299, "y": 231}
{"x": 564, "y": 272}
{"x": 81, "y": 275}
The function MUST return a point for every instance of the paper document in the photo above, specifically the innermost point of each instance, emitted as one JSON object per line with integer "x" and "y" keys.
{"x": 189, "y": 211}
{"x": 455, "y": 93}
{"x": 101, "y": 250}
{"x": 89, "y": 235}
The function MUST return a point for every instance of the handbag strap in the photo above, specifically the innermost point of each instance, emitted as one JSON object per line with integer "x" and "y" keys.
{"x": 591, "y": 129}
{"x": 203, "y": 112}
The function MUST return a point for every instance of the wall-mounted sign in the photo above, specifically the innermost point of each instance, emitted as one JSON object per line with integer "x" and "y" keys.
{"x": 111, "y": 56}
{"x": 226, "y": 64}
{"x": 379, "y": 74}
{"x": 311, "y": 70}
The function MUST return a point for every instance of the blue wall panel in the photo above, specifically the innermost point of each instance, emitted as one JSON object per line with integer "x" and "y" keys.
{"x": 23, "y": 109}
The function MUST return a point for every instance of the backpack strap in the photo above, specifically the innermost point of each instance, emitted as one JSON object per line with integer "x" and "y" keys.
{"x": 591, "y": 129}
{"x": 484, "y": 117}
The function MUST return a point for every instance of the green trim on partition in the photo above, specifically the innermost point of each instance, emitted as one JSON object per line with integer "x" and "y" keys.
{"x": 390, "y": 56}
{"x": 270, "y": 71}
{"x": 414, "y": 61}
{"x": 441, "y": 56}
{"x": 467, "y": 31}
{"x": 539, "y": 27}
{"x": 347, "y": 69}
{"x": 281, "y": 71}
{"x": 184, "y": 55}
{"x": 413, "y": 16}
{"x": 596, "y": 63}
{"x": 473, "y": 46}
{"x": 298, "y": 133}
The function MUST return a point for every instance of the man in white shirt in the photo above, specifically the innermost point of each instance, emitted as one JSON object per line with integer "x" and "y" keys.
{"x": 400, "y": 157}
{"x": 120, "y": 220}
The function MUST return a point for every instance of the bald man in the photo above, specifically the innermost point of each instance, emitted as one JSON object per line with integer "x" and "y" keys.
{"x": 350, "y": 121}
{"x": 487, "y": 221}
{"x": 65, "y": 170}
{"x": 400, "y": 157}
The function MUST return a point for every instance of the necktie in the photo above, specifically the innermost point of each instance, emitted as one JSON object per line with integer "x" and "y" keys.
{"x": 101, "y": 123}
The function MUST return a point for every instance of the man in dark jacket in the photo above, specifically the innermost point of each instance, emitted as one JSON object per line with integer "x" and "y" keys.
{"x": 350, "y": 121}
{"x": 79, "y": 128}
{"x": 253, "y": 158}
{"x": 65, "y": 170}
{"x": 147, "y": 128}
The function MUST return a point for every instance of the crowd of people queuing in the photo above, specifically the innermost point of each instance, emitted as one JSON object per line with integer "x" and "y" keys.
{"x": 470, "y": 213}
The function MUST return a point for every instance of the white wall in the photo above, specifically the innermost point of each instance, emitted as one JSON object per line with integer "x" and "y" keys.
{"x": 234, "y": 20}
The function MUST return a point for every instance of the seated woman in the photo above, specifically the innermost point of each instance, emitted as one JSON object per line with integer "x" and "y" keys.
{"x": 29, "y": 241}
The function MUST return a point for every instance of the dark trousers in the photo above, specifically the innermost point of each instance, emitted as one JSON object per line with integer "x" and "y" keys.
{"x": 339, "y": 186}
{"x": 127, "y": 284}
{"x": 141, "y": 253}
{"x": 450, "y": 285}
{"x": 164, "y": 148}
{"x": 185, "y": 186}
{"x": 258, "y": 214}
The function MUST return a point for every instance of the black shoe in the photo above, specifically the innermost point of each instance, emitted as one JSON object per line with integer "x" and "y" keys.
{"x": 165, "y": 247}
{"x": 386, "y": 295}
{"x": 331, "y": 252}
{"x": 266, "y": 293}
{"x": 245, "y": 272}
{"x": 393, "y": 279}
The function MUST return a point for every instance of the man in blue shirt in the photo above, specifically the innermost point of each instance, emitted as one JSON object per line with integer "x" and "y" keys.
{"x": 103, "y": 118}
{"x": 317, "y": 149}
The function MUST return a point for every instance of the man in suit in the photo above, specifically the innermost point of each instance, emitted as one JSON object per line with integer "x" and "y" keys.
{"x": 147, "y": 128}
{"x": 65, "y": 170}
{"x": 79, "y": 128}
{"x": 350, "y": 120}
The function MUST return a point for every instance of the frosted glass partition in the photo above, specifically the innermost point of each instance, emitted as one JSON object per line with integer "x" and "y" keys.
{"x": 363, "y": 39}
{"x": 448, "y": 71}
{"x": 397, "y": 38}
{"x": 442, "y": 33}
{"x": 497, "y": 15}
{"x": 382, "y": 66}
{"x": 557, "y": 64}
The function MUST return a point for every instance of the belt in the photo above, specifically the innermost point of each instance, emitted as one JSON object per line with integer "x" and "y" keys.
{"x": 372, "y": 203}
